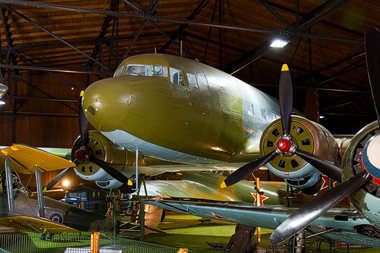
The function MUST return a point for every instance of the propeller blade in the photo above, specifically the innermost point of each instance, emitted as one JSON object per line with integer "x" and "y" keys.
{"x": 316, "y": 208}
{"x": 57, "y": 178}
{"x": 286, "y": 98}
{"x": 114, "y": 173}
{"x": 326, "y": 168}
{"x": 247, "y": 169}
{"x": 372, "y": 54}
{"x": 83, "y": 123}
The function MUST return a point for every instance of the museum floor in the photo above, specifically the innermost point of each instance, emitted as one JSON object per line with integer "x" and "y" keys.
{"x": 184, "y": 231}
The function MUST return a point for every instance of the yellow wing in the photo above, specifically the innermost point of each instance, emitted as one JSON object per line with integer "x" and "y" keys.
{"x": 35, "y": 224}
{"x": 25, "y": 158}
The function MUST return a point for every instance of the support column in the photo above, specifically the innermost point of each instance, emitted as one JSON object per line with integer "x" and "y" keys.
{"x": 142, "y": 219}
{"x": 137, "y": 168}
{"x": 40, "y": 195}
{"x": 9, "y": 183}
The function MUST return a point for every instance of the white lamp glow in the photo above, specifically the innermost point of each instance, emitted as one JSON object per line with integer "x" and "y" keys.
{"x": 65, "y": 183}
{"x": 279, "y": 43}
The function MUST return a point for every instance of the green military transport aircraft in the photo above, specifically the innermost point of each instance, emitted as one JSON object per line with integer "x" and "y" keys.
{"x": 359, "y": 224}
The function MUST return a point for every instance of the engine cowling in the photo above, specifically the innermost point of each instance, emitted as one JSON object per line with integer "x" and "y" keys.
{"x": 310, "y": 137}
{"x": 363, "y": 153}
{"x": 103, "y": 149}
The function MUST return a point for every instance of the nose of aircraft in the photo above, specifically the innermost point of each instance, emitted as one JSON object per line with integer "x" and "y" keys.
{"x": 106, "y": 103}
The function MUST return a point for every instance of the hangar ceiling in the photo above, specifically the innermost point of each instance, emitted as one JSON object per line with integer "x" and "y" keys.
{"x": 87, "y": 39}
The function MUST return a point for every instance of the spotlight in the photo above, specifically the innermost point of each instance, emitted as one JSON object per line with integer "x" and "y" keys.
{"x": 65, "y": 183}
{"x": 279, "y": 43}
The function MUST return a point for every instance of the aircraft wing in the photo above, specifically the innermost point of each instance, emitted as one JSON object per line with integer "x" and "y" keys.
{"x": 35, "y": 224}
{"x": 25, "y": 158}
{"x": 339, "y": 224}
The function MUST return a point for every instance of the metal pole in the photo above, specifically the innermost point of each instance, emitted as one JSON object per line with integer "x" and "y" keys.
{"x": 40, "y": 195}
{"x": 142, "y": 220}
{"x": 114, "y": 220}
{"x": 137, "y": 168}
{"x": 9, "y": 183}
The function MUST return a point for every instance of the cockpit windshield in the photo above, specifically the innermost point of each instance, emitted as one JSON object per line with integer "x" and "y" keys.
{"x": 146, "y": 70}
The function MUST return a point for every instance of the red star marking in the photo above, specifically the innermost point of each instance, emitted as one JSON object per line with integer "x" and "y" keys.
{"x": 325, "y": 180}
{"x": 262, "y": 198}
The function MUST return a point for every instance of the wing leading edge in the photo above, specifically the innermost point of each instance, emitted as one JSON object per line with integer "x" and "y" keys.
{"x": 24, "y": 159}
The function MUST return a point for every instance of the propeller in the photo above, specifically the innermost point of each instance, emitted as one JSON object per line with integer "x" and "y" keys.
{"x": 83, "y": 123}
{"x": 114, "y": 173}
{"x": 83, "y": 154}
{"x": 372, "y": 42}
{"x": 285, "y": 144}
{"x": 317, "y": 207}
{"x": 57, "y": 178}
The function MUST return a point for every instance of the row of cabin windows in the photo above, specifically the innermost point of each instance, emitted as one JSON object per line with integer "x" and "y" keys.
{"x": 176, "y": 76}
{"x": 268, "y": 116}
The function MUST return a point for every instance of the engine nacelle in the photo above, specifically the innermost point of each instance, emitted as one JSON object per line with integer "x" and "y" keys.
{"x": 103, "y": 149}
{"x": 310, "y": 137}
{"x": 363, "y": 153}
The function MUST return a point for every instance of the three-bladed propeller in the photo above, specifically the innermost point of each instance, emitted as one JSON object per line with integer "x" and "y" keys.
{"x": 285, "y": 143}
{"x": 318, "y": 206}
{"x": 83, "y": 154}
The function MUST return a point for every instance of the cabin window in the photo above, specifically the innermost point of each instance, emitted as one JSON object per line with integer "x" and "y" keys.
{"x": 139, "y": 70}
{"x": 251, "y": 110}
{"x": 192, "y": 80}
{"x": 118, "y": 71}
{"x": 161, "y": 70}
{"x": 176, "y": 76}
{"x": 263, "y": 114}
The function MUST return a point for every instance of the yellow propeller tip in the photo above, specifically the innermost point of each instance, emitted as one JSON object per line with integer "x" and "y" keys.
{"x": 81, "y": 93}
{"x": 130, "y": 182}
{"x": 223, "y": 185}
{"x": 285, "y": 67}
{"x": 44, "y": 190}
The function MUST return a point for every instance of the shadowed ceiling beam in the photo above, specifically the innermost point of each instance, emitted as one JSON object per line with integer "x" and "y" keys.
{"x": 103, "y": 32}
{"x": 52, "y": 34}
{"x": 307, "y": 22}
{"x": 182, "y": 27}
{"x": 174, "y": 20}
{"x": 142, "y": 26}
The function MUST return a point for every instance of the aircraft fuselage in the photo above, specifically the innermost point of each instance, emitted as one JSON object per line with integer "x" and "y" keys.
{"x": 180, "y": 110}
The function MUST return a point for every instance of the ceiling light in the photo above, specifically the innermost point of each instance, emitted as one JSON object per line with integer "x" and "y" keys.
{"x": 279, "y": 43}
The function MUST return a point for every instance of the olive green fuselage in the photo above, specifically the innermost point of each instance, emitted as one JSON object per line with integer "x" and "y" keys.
{"x": 210, "y": 117}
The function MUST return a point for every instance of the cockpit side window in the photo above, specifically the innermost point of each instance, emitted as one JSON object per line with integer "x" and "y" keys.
{"x": 118, "y": 71}
{"x": 139, "y": 70}
{"x": 192, "y": 80}
{"x": 176, "y": 76}
{"x": 160, "y": 70}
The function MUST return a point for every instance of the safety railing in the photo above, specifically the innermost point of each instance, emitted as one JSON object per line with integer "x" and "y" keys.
{"x": 28, "y": 242}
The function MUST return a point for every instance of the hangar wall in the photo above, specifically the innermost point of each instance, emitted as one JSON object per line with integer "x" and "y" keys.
{"x": 52, "y": 120}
